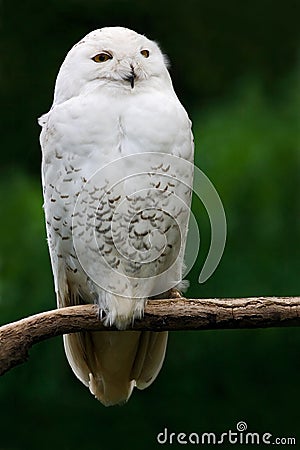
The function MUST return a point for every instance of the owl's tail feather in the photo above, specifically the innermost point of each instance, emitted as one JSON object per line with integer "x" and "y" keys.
{"x": 112, "y": 363}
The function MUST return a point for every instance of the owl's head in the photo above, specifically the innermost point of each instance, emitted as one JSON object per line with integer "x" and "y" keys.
{"x": 113, "y": 57}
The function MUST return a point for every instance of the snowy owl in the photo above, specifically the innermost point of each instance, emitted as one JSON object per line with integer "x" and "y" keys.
{"x": 117, "y": 177}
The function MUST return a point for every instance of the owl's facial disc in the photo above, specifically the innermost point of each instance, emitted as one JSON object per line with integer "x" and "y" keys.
{"x": 111, "y": 57}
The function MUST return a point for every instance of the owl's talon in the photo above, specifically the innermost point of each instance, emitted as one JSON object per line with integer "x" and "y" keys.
{"x": 101, "y": 314}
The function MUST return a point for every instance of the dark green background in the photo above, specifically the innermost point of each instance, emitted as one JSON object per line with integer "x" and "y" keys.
{"x": 235, "y": 67}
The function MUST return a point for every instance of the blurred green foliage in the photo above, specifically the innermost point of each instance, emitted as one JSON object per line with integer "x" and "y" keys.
{"x": 236, "y": 61}
{"x": 249, "y": 145}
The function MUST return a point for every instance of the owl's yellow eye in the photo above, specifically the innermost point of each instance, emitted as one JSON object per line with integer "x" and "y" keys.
{"x": 102, "y": 57}
{"x": 145, "y": 53}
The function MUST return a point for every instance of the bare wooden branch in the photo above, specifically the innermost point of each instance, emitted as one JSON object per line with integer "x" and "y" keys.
{"x": 160, "y": 315}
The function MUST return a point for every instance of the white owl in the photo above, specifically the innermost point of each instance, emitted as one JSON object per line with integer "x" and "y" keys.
{"x": 117, "y": 176}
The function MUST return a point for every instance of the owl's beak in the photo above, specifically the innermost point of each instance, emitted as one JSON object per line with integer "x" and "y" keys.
{"x": 131, "y": 77}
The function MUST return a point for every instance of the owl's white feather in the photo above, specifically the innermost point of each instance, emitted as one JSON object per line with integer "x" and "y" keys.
{"x": 112, "y": 116}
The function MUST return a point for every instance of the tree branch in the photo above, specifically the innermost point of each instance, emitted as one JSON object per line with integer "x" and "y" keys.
{"x": 160, "y": 315}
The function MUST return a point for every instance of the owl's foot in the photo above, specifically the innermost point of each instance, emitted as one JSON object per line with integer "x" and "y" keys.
{"x": 173, "y": 293}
